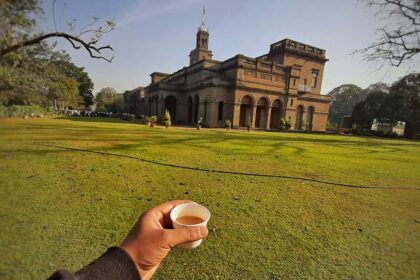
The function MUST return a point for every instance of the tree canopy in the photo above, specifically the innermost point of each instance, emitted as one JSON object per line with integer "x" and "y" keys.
{"x": 108, "y": 100}
{"x": 36, "y": 74}
{"x": 402, "y": 103}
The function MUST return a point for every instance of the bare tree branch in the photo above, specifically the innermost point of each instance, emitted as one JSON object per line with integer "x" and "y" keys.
{"x": 76, "y": 42}
{"x": 400, "y": 41}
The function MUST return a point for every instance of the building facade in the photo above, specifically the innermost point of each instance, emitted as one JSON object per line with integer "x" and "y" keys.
{"x": 134, "y": 101}
{"x": 285, "y": 82}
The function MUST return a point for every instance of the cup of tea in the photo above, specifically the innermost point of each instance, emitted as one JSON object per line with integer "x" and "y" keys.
{"x": 190, "y": 214}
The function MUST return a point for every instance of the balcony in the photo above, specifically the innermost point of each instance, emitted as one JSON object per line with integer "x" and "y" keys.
{"x": 304, "y": 88}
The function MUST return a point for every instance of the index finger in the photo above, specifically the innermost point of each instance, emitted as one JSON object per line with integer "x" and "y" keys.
{"x": 166, "y": 207}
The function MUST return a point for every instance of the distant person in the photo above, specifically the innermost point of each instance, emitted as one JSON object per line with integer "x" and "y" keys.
{"x": 141, "y": 252}
{"x": 200, "y": 121}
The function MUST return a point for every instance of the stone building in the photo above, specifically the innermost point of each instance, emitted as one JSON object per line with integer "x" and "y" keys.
{"x": 134, "y": 101}
{"x": 285, "y": 82}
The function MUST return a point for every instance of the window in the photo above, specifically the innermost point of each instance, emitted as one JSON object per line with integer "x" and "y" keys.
{"x": 221, "y": 108}
{"x": 314, "y": 79}
{"x": 291, "y": 102}
{"x": 304, "y": 81}
{"x": 294, "y": 82}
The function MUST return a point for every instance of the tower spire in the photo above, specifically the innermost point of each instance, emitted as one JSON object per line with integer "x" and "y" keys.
{"x": 203, "y": 25}
{"x": 204, "y": 14}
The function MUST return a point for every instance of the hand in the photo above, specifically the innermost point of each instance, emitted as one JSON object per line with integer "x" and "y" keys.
{"x": 152, "y": 237}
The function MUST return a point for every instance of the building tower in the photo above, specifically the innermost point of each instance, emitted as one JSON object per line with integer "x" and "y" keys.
{"x": 201, "y": 50}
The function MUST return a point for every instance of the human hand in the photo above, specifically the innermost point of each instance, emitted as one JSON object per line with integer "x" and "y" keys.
{"x": 152, "y": 237}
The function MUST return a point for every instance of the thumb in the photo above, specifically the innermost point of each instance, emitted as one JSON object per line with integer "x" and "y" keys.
{"x": 186, "y": 234}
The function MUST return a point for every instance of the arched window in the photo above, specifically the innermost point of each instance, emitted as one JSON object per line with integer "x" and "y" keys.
{"x": 221, "y": 109}
{"x": 314, "y": 79}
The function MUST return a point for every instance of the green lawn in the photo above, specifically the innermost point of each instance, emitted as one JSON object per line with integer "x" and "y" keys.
{"x": 62, "y": 208}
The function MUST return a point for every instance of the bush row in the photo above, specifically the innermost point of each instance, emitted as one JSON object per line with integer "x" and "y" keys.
{"x": 22, "y": 110}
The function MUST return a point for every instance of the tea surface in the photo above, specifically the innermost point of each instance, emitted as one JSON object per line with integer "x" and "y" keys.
{"x": 189, "y": 220}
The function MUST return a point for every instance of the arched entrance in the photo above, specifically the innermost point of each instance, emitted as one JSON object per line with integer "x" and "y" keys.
{"x": 299, "y": 117}
{"x": 276, "y": 114}
{"x": 170, "y": 105}
{"x": 310, "y": 117}
{"x": 156, "y": 106}
{"x": 197, "y": 104}
{"x": 190, "y": 109}
{"x": 246, "y": 110}
{"x": 262, "y": 112}
{"x": 150, "y": 106}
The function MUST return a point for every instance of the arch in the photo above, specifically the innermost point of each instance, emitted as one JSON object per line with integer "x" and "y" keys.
{"x": 310, "y": 117}
{"x": 276, "y": 114}
{"x": 196, "y": 107}
{"x": 221, "y": 109}
{"x": 205, "y": 111}
{"x": 190, "y": 109}
{"x": 170, "y": 105}
{"x": 156, "y": 103}
{"x": 261, "y": 113}
{"x": 246, "y": 110}
{"x": 150, "y": 106}
{"x": 299, "y": 117}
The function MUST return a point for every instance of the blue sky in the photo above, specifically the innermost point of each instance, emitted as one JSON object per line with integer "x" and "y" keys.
{"x": 157, "y": 35}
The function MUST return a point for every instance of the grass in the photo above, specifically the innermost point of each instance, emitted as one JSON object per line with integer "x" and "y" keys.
{"x": 61, "y": 208}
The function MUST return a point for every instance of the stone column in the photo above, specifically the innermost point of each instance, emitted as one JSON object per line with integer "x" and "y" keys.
{"x": 162, "y": 107}
{"x": 268, "y": 117}
{"x": 236, "y": 114}
{"x": 254, "y": 116}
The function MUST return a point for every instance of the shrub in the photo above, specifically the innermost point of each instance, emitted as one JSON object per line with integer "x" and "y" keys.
{"x": 22, "y": 110}
{"x": 289, "y": 123}
{"x": 167, "y": 122}
{"x": 228, "y": 124}
{"x": 285, "y": 124}
{"x": 282, "y": 125}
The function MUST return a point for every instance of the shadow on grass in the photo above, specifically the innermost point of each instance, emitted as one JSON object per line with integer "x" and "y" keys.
{"x": 325, "y": 182}
{"x": 93, "y": 119}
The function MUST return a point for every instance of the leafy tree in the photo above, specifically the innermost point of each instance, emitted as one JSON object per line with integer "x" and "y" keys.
{"x": 104, "y": 98}
{"x": 365, "y": 111}
{"x": 397, "y": 42}
{"x": 77, "y": 73}
{"x": 65, "y": 94}
{"x": 117, "y": 105}
{"x": 345, "y": 97}
{"x": 108, "y": 100}
{"x": 343, "y": 100}
{"x": 402, "y": 103}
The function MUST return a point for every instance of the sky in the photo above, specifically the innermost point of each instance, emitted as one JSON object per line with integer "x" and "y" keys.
{"x": 157, "y": 35}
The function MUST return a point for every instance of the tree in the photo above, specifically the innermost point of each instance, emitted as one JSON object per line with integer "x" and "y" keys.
{"x": 108, "y": 100}
{"x": 402, "y": 103}
{"x": 343, "y": 100}
{"x": 65, "y": 94}
{"x": 365, "y": 111}
{"x": 83, "y": 79}
{"x": 17, "y": 30}
{"x": 104, "y": 98}
{"x": 398, "y": 42}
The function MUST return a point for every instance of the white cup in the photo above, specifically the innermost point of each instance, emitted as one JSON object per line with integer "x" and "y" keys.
{"x": 190, "y": 209}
